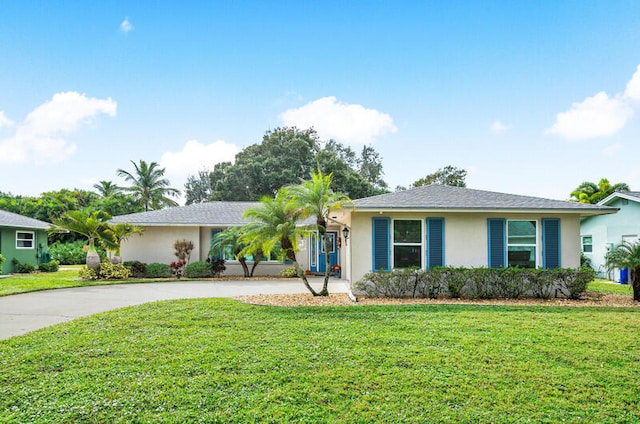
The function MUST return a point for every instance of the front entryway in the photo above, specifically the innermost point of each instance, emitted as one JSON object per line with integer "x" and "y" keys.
{"x": 317, "y": 258}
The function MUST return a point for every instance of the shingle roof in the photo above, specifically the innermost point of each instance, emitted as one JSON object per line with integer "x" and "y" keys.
{"x": 630, "y": 195}
{"x": 14, "y": 220}
{"x": 221, "y": 214}
{"x": 439, "y": 197}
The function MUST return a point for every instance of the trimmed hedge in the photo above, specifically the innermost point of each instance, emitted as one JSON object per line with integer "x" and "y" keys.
{"x": 198, "y": 269}
{"x": 158, "y": 270}
{"x": 477, "y": 283}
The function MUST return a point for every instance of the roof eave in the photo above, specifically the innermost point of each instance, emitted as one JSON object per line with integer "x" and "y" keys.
{"x": 581, "y": 212}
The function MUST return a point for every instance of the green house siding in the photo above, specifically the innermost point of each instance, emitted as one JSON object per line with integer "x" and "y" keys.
{"x": 23, "y": 255}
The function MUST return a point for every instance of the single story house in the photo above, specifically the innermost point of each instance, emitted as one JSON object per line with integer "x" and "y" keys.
{"x": 600, "y": 233}
{"x": 21, "y": 238}
{"x": 198, "y": 223}
{"x": 426, "y": 226}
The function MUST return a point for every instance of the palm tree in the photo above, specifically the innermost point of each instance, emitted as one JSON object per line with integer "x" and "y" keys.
{"x": 119, "y": 232}
{"x": 626, "y": 255}
{"x": 91, "y": 224}
{"x": 316, "y": 198}
{"x": 149, "y": 186}
{"x": 589, "y": 192}
{"x": 231, "y": 238}
{"x": 273, "y": 223}
{"x": 107, "y": 188}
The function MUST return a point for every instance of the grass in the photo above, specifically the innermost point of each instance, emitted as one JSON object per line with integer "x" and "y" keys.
{"x": 66, "y": 277}
{"x": 605, "y": 286}
{"x": 215, "y": 360}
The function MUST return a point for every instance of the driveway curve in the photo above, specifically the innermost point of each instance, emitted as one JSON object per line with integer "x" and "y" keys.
{"x": 23, "y": 313}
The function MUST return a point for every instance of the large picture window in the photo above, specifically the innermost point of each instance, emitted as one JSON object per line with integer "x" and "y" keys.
{"x": 25, "y": 239}
{"x": 522, "y": 239}
{"x": 407, "y": 243}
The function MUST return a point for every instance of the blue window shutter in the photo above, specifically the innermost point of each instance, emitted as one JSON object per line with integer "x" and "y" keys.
{"x": 381, "y": 244}
{"x": 213, "y": 234}
{"x": 435, "y": 242}
{"x": 551, "y": 243}
{"x": 497, "y": 242}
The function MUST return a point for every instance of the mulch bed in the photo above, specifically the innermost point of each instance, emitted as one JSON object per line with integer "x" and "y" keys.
{"x": 589, "y": 298}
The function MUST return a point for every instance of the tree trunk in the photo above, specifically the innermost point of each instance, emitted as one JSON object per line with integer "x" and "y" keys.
{"x": 245, "y": 268}
{"x": 327, "y": 269}
{"x": 290, "y": 254}
{"x": 93, "y": 261}
{"x": 635, "y": 283}
{"x": 257, "y": 258}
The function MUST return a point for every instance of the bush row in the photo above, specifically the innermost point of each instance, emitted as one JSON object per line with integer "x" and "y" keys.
{"x": 477, "y": 283}
{"x": 137, "y": 269}
{"x": 26, "y": 268}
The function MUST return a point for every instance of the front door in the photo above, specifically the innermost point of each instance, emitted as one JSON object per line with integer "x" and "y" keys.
{"x": 317, "y": 256}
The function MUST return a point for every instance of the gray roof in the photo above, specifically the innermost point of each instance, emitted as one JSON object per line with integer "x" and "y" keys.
{"x": 14, "y": 220}
{"x": 630, "y": 195}
{"x": 439, "y": 197}
{"x": 211, "y": 214}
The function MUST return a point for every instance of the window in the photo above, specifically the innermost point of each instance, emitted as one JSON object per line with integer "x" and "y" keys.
{"x": 25, "y": 239}
{"x": 407, "y": 243}
{"x": 587, "y": 244}
{"x": 521, "y": 243}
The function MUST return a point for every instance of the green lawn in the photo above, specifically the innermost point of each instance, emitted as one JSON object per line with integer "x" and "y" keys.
{"x": 66, "y": 277}
{"x": 213, "y": 360}
{"x": 605, "y": 286}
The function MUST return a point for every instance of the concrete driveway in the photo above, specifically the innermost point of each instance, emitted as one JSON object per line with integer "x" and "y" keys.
{"x": 22, "y": 313}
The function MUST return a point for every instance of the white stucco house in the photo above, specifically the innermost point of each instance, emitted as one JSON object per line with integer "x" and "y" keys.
{"x": 426, "y": 226}
{"x": 600, "y": 233}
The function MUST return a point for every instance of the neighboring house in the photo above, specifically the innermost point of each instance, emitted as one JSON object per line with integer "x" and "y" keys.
{"x": 198, "y": 223}
{"x": 601, "y": 233}
{"x": 424, "y": 227}
{"x": 21, "y": 238}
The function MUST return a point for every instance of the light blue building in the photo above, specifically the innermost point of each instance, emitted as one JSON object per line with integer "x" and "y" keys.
{"x": 601, "y": 233}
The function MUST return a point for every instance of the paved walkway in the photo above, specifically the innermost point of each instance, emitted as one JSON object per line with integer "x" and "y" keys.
{"x": 22, "y": 313}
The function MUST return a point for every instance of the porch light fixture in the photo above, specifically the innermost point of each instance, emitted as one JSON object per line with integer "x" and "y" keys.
{"x": 345, "y": 234}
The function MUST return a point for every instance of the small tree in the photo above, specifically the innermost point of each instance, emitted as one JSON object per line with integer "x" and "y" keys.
{"x": 183, "y": 249}
{"x": 626, "y": 255}
{"x": 119, "y": 233}
{"x": 231, "y": 239}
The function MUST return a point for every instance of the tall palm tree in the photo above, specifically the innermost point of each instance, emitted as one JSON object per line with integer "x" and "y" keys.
{"x": 91, "y": 224}
{"x": 626, "y": 255}
{"x": 315, "y": 197}
{"x": 149, "y": 186}
{"x": 107, "y": 188}
{"x": 273, "y": 222}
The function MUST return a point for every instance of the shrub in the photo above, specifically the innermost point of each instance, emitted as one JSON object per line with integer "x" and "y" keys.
{"x": 573, "y": 283}
{"x": 109, "y": 271}
{"x": 430, "y": 283}
{"x": 289, "y": 272}
{"x": 158, "y": 270}
{"x": 456, "y": 281}
{"x": 542, "y": 286}
{"x": 481, "y": 282}
{"x": 137, "y": 268}
{"x": 21, "y": 268}
{"x": 72, "y": 253}
{"x": 183, "y": 249}
{"x": 87, "y": 274}
{"x": 217, "y": 266}
{"x": 51, "y": 266}
{"x": 513, "y": 283}
{"x": 198, "y": 269}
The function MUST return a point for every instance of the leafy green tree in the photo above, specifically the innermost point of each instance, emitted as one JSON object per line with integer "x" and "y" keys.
{"x": 627, "y": 255}
{"x": 91, "y": 224}
{"x": 592, "y": 193}
{"x": 273, "y": 224}
{"x": 287, "y": 156}
{"x": 149, "y": 186}
{"x": 449, "y": 176}
{"x": 315, "y": 198}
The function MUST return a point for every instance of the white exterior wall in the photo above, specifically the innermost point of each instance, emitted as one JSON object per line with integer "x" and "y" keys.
{"x": 465, "y": 238}
{"x": 156, "y": 244}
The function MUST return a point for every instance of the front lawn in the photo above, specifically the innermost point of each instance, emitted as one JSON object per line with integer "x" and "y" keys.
{"x": 215, "y": 360}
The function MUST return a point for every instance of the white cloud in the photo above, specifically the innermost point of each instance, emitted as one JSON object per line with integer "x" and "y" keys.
{"x": 597, "y": 116}
{"x": 498, "y": 127}
{"x": 39, "y": 137}
{"x": 612, "y": 150}
{"x": 126, "y": 26}
{"x": 195, "y": 157}
{"x": 347, "y": 123}
{"x": 4, "y": 121}
{"x": 632, "y": 90}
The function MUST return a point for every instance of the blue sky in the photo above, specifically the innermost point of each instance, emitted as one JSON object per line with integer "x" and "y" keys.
{"x": 531, "y": 97}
